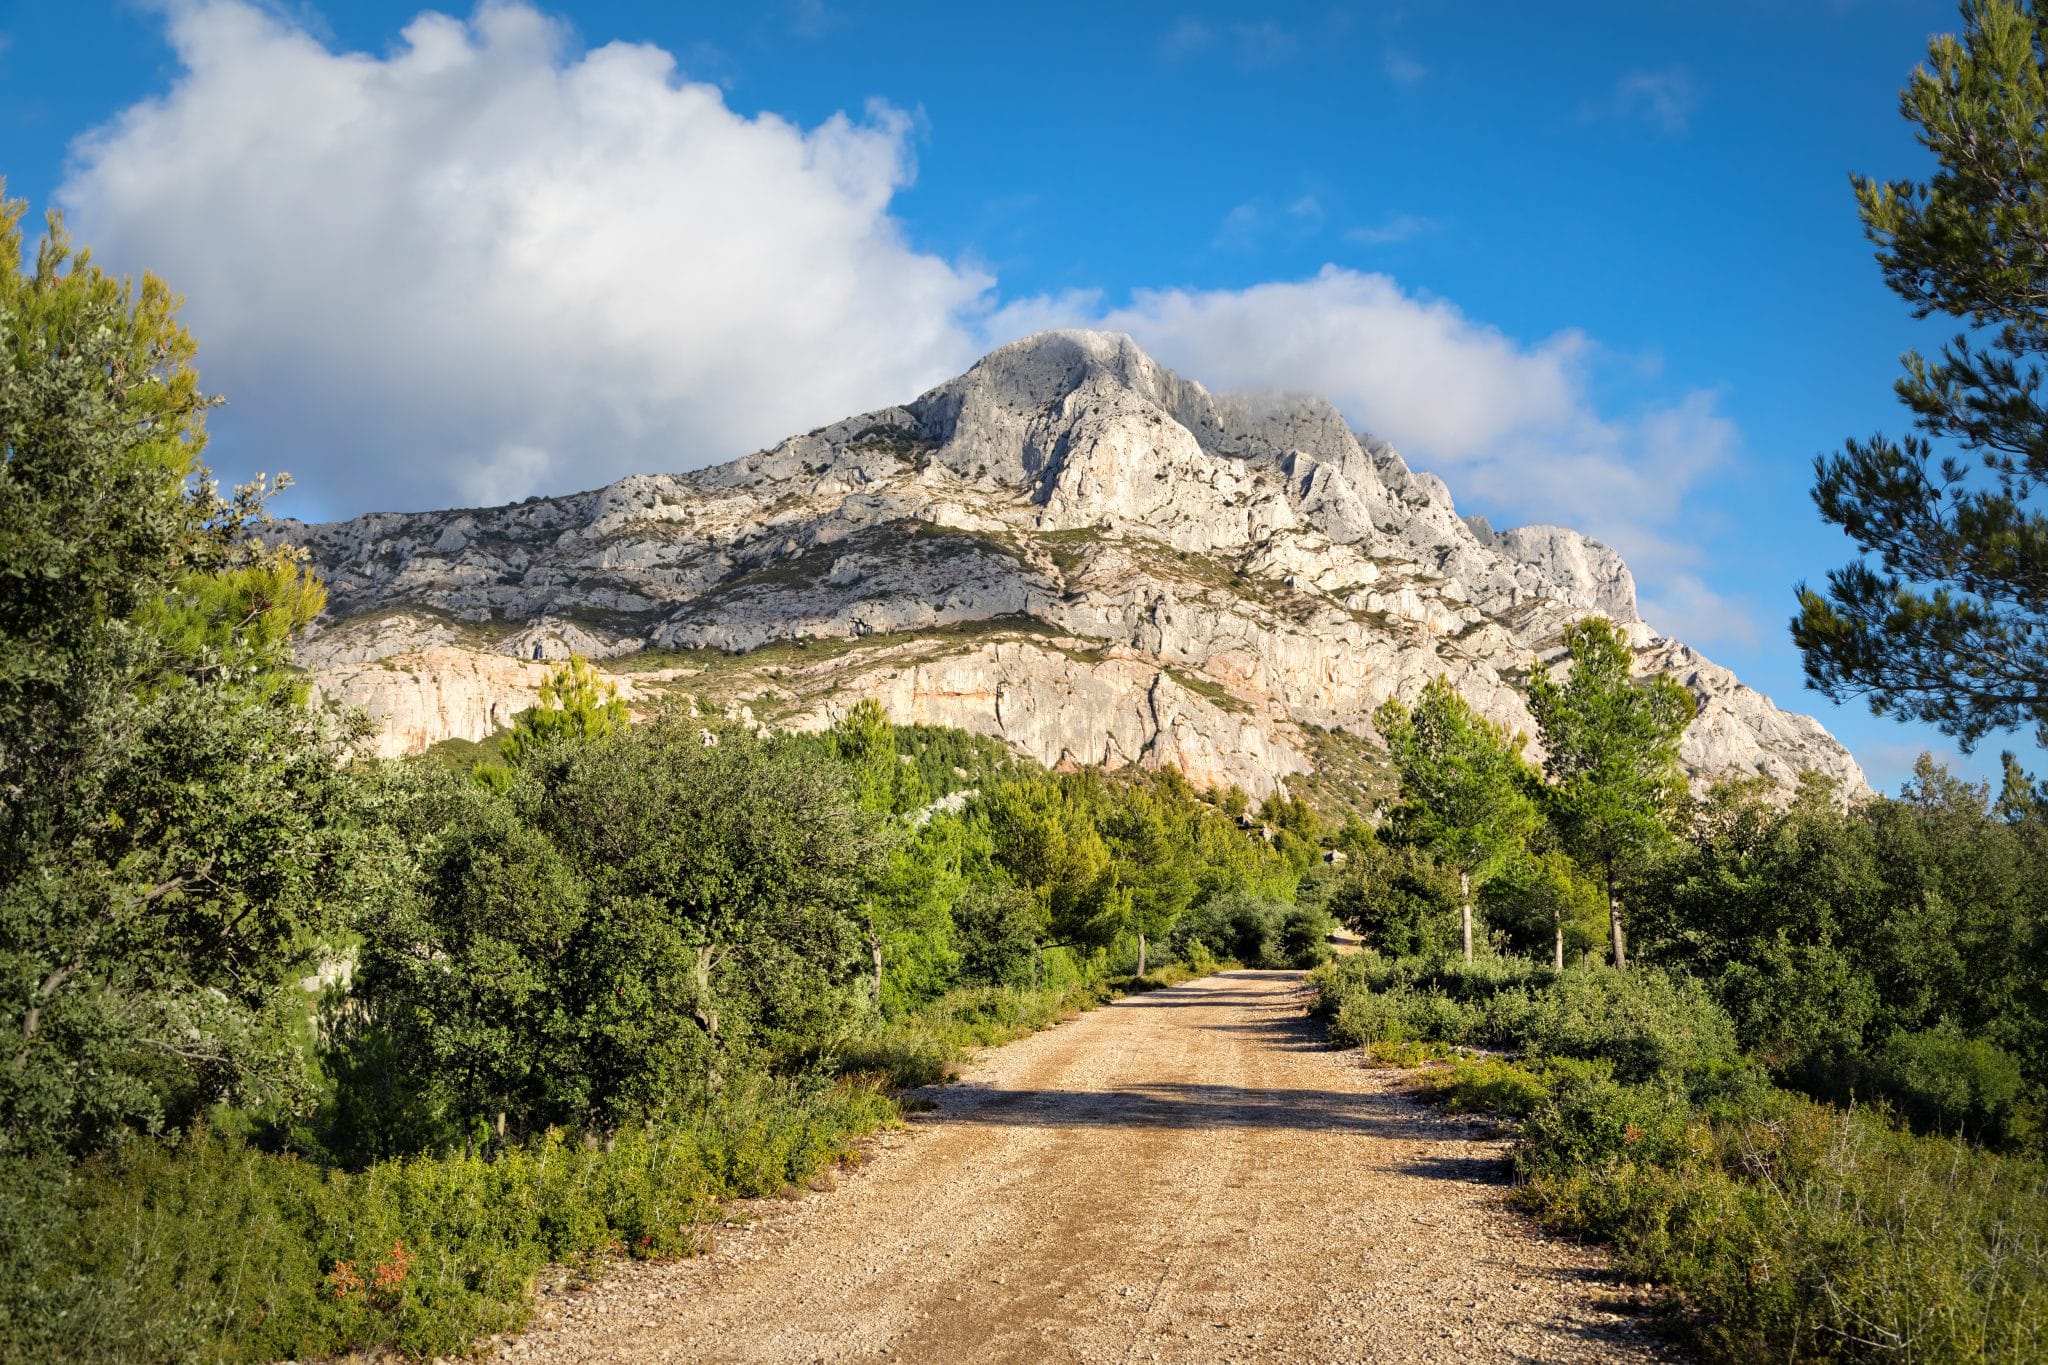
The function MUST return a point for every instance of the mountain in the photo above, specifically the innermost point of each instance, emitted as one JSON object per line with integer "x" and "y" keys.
{"x": 1068, "y": 547}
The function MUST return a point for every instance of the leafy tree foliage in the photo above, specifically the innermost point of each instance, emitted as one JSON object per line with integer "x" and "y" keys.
{"x": 176, "y": 839}
{"x": 1611, "y": 752}
{"x": 1464, "y": 788}
{"x": 1949, "y": 624}
{"x": 1854, "y": 946}
{"x": 634, "y": 919}
{"x": 1398, "y": 897}
{"x": 1545, "y": 898}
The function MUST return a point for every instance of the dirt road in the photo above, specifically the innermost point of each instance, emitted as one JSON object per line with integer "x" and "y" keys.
{"x": 1187, "y": 1175}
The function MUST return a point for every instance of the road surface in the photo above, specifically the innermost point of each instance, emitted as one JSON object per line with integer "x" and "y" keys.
{"x": 1187, "y": 1175}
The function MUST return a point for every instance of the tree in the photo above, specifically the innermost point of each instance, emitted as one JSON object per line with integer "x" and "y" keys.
{"x": 738, "y": 860}
{"x": 575, "y": 705}
{"x": 1154, "y": 869}
{"x": 1464, "y": 788}
{"x": 1611, "y": 753}
{"x": 1398, "y": 897}
{"x": 177, "y": 837}
{"x": 464, "y": 986}
{"x": 1046, "y": 840}
{"x": 1544, "y": 895}
{"x": 1950, "y": 624}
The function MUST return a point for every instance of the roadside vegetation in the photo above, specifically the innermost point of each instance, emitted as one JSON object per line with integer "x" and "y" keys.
{"x": 1789, "y": 1058}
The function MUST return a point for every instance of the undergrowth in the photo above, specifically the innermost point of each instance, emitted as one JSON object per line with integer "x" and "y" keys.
{"x": 208, "y": 1249}
{"x": 1784, "y": 1227}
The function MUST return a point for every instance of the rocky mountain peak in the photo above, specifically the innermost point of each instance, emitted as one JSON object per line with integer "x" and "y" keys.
{"x": 1068, "y": 546}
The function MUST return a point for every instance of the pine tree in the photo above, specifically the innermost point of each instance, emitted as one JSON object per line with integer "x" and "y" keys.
{"x": 574, "y": 705}
{"x": 1949, "y": 624}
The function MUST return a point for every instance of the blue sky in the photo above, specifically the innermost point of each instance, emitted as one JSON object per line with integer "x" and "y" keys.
{"x": 1595, "y": 263}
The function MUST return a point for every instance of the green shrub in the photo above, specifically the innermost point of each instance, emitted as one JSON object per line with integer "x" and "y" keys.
{"x": 128, "y": 1256}
{"x": 1944, "y": 1082}
{"x": 1487, "y": 1085}
{"x": 1802, "y": 1231}
{"x": 1644, "y": 1022}
{"x": 1235, "y": 925}
{"x": 1304, "y": 937}
{"x": 1788, "y": 1229}
{"x": 1589, "y": 1119}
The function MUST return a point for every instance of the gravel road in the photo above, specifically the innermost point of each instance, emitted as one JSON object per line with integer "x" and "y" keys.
{"x": 1186, "y": 1175}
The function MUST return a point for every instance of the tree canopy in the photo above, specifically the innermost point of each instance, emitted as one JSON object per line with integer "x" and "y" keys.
{"x": 1464, "y": 787}
{"x": 174, "y": 830}
{"x": 1945, "y": 618}
{"x": 1611, "y": 752}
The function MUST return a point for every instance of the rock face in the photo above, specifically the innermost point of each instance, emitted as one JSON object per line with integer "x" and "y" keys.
{"x": 1067, "y": 547}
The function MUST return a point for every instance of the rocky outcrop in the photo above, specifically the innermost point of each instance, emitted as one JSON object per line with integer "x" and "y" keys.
{"x": 1068, "y": 547}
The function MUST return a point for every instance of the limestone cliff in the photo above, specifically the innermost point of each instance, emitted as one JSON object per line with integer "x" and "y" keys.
{"x": 1068, "y": 547}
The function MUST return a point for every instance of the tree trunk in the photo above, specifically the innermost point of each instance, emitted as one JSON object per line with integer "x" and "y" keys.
{"x": 1141, "y": 954}
{"x": 1560, "y": 942}
{"x": 707, "y": 1017}
{"x": 1465, "y": 910}
{"x": 1614, "y": 923}
{"x": 1037, "y": 966}
{"x": 875, "y": 952}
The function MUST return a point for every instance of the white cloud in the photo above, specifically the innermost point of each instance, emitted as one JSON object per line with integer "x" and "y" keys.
{"x": 1681, "y": 604}
{"x": 1403, "y": 69}
{"x": 484, "y": 264}
{"x": 1511, "y": 426}
{"x": 1308, "y": 211}
{"x": 1664, "y": 99}
{"x": 1187, "y": 37}
{"x": 1390, "y": 230}
{"x": 1256, "y": 222}
{"x": 1262, "y": 44}
{"x": 1241, "y": 227}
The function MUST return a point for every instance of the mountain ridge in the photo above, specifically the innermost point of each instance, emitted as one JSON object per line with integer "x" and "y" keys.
{"x": 1068, "y": 546}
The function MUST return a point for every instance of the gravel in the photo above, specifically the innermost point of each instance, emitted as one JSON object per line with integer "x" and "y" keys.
{"x": 1187, "y": 1175}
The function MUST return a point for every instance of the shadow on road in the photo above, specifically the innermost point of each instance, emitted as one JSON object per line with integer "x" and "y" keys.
{"x": 1189, "y": 1104}
{"x": 1247, "y": 1006}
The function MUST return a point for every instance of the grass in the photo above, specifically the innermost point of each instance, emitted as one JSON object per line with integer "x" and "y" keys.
{"x": 1215, "y": 693}
{"x": 1784, "y": 1228}
{"x": 207, "y": 1249}
{"x": 1353, "y": 776}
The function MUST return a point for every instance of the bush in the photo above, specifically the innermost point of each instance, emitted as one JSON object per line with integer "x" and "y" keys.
{"x": 124, "y": 1257}
{"x": 1255, "y": 932}
{"x": 1488, "y": 1085}
{"x": 1587, "y": 1118}
{"x": 1646, "y": 1023}
{"x": 1800, "y": 1231}
{"x": 1946, "y": 1083}
{"x": 1235, "y": 925}
{"x": 1643, "y": 1022}
{"x": 1305, "y": 937}
{"x": 1788, "y": 1229}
